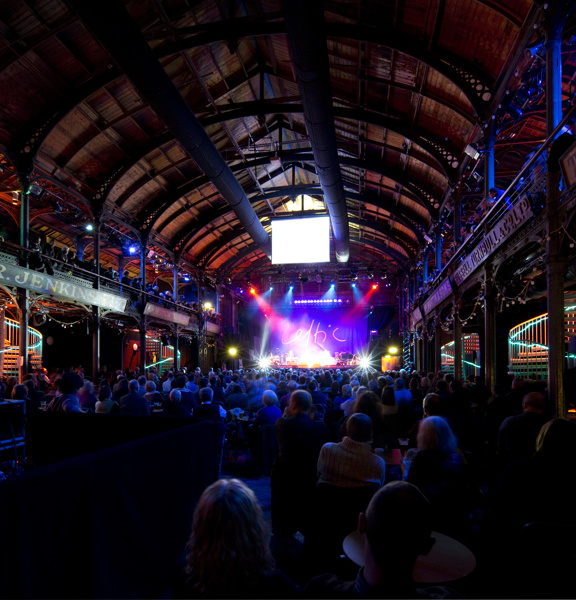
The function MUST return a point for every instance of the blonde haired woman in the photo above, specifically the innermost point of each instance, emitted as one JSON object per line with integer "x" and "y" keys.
{"x": 229, "y": 554}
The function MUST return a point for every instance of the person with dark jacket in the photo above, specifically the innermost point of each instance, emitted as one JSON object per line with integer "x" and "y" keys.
{"x": 174, "y": 407}
{"x": 293, "y": 478}
{"x": 211, "y": 411}
{"x": 133, "y": 403}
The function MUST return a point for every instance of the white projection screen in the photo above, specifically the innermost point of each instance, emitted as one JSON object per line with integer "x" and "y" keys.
{"x": 301, "y": 240}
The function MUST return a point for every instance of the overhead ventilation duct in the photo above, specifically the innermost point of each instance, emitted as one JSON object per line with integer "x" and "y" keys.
{"x": 116, "y": 31}
{"x": 305, "y": 28}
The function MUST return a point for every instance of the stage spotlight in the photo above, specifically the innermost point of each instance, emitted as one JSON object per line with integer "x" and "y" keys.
{"x": 291, "y": 286}
{"x": 393, "y": 350}
{"x": 207, "y": 305}
{"x": 89, "y": 227}
{"x": 232, "y": 351}
{"x": 332, "y": 284}
{"x": 271, "y": 287}
{"x": 374, "y": 286}
{"x": 252, "y": 290}
{"x": 264, "y": 362}
{"x": 364, "y": 362}
{"x": 353, "y": 284}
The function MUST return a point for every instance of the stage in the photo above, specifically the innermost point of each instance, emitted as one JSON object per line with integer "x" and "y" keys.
{"x": 349, "y": 364}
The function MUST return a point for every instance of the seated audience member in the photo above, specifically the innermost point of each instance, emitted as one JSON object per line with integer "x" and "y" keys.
{"x": 237, "y": 399}
{"x": 142, "y": 385}
{"x": 105, "y": 404}
{"x": 285, "y": 399}
{"x": 187, "y": 398}
{"x": 209, "y": 410}
{"x": 229, "y": 555}
{"x": 167, "y": 383}
{"x": 397, "y": 529}
{"x": 133, "y": 403}
{"x": 346, "y": 402}
{"x": 35, "y": 395}
{"x": 270, "y": 412}
{"x": 436, "y": 467}
{"x": 66, "y": 399}
{"x": 351, "y": 462}
{"x": 152, "y": 395}
{"x": 120, "y": 388}
{"x": 190, "y": 383}
{"x": 433, "y": 405}
{"x": 530, "y": 496}
{"x": 87, "y": 396}
{"x": 293, "y": 477}
{"x": 318, "y": 397}
{"x": 173, "y": 406}
{"x": 408, "y": 414}
{"x": 369, "y": 403}
{"x": 529, "y": 490}
{"x": 517, "y": 434}
{"x": 19, "y": 392}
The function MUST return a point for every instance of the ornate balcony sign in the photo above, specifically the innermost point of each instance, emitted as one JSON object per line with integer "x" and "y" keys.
{"x": 45, "y": 284}
{"x": 504, "y": 228}
{"x": 441, "y": 292}
{"x": 212, "y": 327}
{"x": 155, "y": 310}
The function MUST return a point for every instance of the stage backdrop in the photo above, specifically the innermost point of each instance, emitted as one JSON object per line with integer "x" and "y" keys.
{"x": 314, "y": 335}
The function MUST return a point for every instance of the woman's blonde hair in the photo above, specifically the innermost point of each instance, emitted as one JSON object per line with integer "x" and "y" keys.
{"x": 435, "y": 432}
{"x": 229, "y": 545}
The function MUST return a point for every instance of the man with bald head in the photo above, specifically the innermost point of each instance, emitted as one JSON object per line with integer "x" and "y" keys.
{"x": 351, "y": 462}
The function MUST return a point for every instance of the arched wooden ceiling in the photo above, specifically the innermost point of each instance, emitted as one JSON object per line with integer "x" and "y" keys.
{"x": 411, "y": 83}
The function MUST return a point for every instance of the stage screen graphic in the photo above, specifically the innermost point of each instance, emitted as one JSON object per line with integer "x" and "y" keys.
{"x": 301, "y": 240}
{"x": 314, "y": 336}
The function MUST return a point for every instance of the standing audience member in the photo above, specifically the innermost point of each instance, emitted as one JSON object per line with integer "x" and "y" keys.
{"x": 229, "y": 555}
{"x": 517, "y": 434}
{"x": 293, "y": 476}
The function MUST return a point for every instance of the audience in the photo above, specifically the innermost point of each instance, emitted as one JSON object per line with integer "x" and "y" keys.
{"x": 534, "y": 455}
